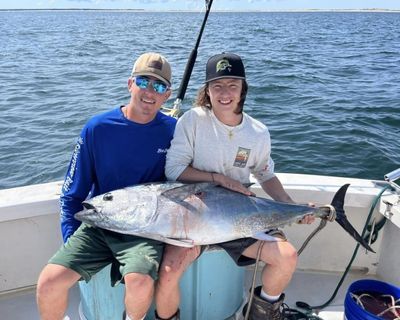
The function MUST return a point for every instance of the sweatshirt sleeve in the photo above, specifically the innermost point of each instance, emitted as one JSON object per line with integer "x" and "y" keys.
{"x": 77, "y": 185}
{"x": 265, "y": 167}
{"x": 180, "y": 154}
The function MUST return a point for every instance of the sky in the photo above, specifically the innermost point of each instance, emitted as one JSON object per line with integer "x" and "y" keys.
{"x": 198, "y": 5}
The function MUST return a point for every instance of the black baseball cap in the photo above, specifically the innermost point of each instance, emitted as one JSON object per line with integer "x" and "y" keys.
{"x": 225, "y": 65}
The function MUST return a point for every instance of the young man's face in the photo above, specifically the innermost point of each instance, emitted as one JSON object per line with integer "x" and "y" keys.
{"x": 225, "y": 93}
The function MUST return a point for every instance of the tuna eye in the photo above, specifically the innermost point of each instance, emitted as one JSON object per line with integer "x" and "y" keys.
{"x": 108, "y": 197}
{"x": 199, "y": 194}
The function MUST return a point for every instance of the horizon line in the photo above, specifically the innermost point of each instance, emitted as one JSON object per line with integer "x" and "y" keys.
{"x": 216, "y": 10}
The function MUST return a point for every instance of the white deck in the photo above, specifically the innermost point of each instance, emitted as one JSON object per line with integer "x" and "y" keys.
{"x": 22, "y": 305}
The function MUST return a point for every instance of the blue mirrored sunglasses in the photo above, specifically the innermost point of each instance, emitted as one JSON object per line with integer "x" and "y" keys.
{"x": 158, "y": 86}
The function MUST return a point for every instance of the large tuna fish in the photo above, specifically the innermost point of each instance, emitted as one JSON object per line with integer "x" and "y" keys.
{"x": 198, "y": 213}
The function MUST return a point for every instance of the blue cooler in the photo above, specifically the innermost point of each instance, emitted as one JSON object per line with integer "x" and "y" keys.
{"x": 211, "y": 288}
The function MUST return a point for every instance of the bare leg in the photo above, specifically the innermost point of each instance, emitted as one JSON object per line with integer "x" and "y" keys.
{"x": 52, "y": 291}
{"x": 139, "y": 290}
{"x": 175, "y": 262}
{"x": 281, "y": 261}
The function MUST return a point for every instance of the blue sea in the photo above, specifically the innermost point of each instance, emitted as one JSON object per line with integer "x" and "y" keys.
{"x": 327, "y": 84}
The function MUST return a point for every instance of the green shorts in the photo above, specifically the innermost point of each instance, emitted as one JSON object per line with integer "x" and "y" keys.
{"x": 90, "y": 249}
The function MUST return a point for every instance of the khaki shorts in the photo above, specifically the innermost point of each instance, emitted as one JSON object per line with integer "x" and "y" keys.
{"x": 90, "y": 249}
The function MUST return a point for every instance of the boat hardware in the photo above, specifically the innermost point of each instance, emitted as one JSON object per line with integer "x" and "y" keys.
{"x": 393, "y": 175}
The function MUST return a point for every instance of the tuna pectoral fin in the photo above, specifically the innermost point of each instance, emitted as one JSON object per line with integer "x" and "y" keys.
{"x": 341, "y": 218}
{"x": 179, "y": 242}
{"x": 182, "y": 192}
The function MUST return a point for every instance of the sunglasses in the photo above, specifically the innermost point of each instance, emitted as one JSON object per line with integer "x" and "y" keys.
{"x": 158, "y": 86}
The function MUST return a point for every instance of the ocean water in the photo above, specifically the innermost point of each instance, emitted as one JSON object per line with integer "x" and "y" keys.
{"x": 326, "y": 84}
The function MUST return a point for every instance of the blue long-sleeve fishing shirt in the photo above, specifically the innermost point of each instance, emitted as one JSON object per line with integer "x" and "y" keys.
{"x": 113, "y": 152}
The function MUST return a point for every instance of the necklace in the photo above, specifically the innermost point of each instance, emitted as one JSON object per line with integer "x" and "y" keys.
{"x": 230, "y": 134}
{"x": 229, "y": 129}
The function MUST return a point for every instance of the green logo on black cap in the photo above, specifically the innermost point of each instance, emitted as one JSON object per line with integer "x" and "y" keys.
{"x": 223, "y": 64}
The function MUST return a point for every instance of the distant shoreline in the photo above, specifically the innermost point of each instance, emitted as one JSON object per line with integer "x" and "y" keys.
{"x": 223, "y": 11}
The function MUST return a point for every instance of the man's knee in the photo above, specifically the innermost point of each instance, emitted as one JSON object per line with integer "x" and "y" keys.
{"x": 138, "y": 282}
{"x": 175, "y": 262}
{"x": 55, "y": 278}
{"x": 169, "y": 276}
{"x": 286, "y": 255}
{"x": 44, "y": 286}
{"x": 290, "y": 256}
{"x": 177, "y": 259}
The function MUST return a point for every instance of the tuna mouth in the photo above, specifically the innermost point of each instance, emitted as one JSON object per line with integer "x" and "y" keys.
{"x": 88, "y": 206}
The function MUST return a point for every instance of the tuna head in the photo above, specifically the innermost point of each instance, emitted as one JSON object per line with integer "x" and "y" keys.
{"x": 119, "y": 210}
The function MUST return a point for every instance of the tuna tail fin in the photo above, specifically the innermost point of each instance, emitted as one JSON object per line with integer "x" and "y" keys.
{"x": 341, "y": 218}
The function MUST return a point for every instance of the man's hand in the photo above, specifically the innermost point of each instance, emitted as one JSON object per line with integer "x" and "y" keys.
{"x": 308, "y": 219}
{"x": 231, "y": 184}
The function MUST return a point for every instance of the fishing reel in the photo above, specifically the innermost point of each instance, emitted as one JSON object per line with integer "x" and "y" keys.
{"x": 175, "y": 111}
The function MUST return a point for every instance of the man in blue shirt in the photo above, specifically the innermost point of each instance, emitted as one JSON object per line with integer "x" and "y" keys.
{"x": 118, "y": 148}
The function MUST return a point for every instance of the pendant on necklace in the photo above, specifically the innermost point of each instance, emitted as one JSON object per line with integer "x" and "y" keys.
{"x": 230, "y": 134}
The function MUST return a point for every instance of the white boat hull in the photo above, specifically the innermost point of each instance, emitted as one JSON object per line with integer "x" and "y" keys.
{"x": 30, "y": 234}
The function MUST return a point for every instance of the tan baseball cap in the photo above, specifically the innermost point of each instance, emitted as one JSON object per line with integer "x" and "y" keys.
{"x": 153, "y": 64}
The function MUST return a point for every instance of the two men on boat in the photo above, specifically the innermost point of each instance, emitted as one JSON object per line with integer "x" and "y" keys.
{"x": 122, "y": 147}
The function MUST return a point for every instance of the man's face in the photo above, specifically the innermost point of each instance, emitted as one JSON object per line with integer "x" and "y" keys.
{"x": 147, "y": 95}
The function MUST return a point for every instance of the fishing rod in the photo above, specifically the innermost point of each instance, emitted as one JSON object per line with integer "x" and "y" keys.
{"x": 175, "y": 111}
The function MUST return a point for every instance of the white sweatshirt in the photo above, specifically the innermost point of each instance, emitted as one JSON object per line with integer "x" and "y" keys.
{"x": 207, "y": 144}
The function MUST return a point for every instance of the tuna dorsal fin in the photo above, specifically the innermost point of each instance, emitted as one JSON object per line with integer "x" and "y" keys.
{"x": 185, "y": 190}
